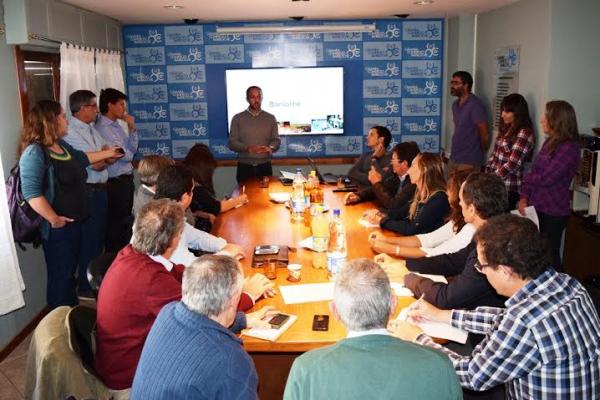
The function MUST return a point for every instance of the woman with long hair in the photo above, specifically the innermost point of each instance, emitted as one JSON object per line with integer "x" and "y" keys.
{"x": 546, "y": 186}
{"x": 429, "y": 207}
{"x": 202, "y": 164}
{"x": 53, "y": 177}
{"x": 453, "y": 236}
{"x": 513, "y": 146}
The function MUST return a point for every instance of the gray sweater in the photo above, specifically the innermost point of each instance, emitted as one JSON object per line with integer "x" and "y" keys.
{"x": 247, "y": 130}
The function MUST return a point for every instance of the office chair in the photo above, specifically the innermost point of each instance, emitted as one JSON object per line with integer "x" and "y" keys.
{"x": 82, "y": 336}
{"x": 97, "y": 269}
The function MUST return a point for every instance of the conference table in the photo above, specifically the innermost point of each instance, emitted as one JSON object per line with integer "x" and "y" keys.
{"x": 263, "y": 222}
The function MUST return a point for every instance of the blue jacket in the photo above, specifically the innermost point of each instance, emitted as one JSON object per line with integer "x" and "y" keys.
{"x": 37, "y": 174}
{"x": 189, "y": 356}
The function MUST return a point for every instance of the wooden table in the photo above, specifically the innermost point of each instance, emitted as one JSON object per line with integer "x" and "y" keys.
{"x": 264, "y": 222}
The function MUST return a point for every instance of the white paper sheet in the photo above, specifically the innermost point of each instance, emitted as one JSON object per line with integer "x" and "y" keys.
{"x": 290, "y": 175}
{"x": 437, "y": 329}
{"x": 270, "y": 333}
{"x": 307, "y": 293}
{"x": 530, "y": 213}
{"x": 367, "y": 224}
{"x": 401, "y": 291}
{"x": 435, "y": 278}
{"x": 279, "y": 197}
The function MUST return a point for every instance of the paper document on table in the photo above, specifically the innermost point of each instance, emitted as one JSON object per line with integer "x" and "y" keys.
{"x": 307, "y": 293}
{"x": 530, "y": 213}
{"x": 367, "y": 224}
{"x": 435, "y": 278}
{"x": 279, "y": 197}
{"x": 435, "y": 329}
{"x": 271, "y": 334}
{"x": 290, "y": 175}
{"x": 401, "y": 291}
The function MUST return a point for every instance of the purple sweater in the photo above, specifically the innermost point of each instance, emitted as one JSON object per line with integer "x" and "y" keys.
{"x": 546, "y": 186}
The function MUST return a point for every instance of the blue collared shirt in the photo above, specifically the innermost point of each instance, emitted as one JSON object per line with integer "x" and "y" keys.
{"x": 114, "y": 135}
{"x": 86, "y": 138}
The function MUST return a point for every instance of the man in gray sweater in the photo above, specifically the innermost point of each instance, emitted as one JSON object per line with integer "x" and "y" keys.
{"x": 254, "y": 136}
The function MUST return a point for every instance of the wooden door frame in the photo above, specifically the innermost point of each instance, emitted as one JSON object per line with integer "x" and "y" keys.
{"x": 51, "y": 58}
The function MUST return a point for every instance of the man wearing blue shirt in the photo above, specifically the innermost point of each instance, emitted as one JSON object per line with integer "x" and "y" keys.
{"x": 83, "y": 136}
{"x": 120, "y": 174}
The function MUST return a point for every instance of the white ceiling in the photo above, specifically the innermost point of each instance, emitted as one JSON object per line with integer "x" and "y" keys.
{"x": 153, "y": 11}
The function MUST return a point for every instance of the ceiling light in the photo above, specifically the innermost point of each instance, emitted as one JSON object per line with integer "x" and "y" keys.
{"x": 173, "y": 7}
{"x": 423, "y": 2}
{"x": 295, "y": 29}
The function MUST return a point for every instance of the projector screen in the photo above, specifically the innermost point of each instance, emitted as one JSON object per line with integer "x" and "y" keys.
{"x": 305, "y": 101}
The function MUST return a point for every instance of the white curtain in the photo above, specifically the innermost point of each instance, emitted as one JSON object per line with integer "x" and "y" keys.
{"x": 11, "y": 281}
{"x": 109, "y": 73}
{"x": 77, "y": 72}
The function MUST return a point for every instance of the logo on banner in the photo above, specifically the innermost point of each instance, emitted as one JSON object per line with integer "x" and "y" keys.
{"x": 186, "y": 92}
{"x": 147, "y": 75}
{"x": 158, "y": 148}
{"x": 343, "y": 145}
{"x": 303, "y": 53}
{"x": 151, "y": 114}
{"x": 194, "y": 130}
{"x": 224, "y": 37}
{"x": 159, "y": 130}
{"x": 419, "y": 107}
{"x": 182, "y": 147}
{"x": 380, "y": 69}
{"x": 145, "y": 56}
{"x": 391, "y": 32}
{"x": 392, "y": 123}
{"x": 429, "y": 51}
{"x": 382, "y": 51}
{"x": 265, "y": 56}
{"x": 427, "y": 88}
{"x": 381, "y": 88}
{"x": 193, "y": 54}
{"x": 187, "y": 111}
{"x": 421, "y": 69}
{"x": 224, "y": 54}
{"x": 420, "y": 125}
{"x": 429, "y": 143}
{"x": 342, "y": 37}
{"x": 153, "y": 36}
{"x": 308, "y": 36}
{"x": 383, "y": 107}
{"x": 422, "y": 30}
{"x": 349, "y": 52}
{"x": 182, "y": 35}
{"x": 313, "y": 146}
{"x": 186, "y": 73}
{"x": 148, "y": 94}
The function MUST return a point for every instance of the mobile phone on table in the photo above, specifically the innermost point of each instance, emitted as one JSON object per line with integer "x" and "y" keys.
{"x": 320, "y": 322}
{"x": 278, "y": 320}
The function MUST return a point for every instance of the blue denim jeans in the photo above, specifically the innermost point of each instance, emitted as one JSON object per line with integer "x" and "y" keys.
{"x": 61, "y": 251}
{"x": 93, "y": 230}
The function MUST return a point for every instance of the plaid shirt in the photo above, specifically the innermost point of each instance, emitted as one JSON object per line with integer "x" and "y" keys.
{"x": 508, "y": 158}
{"x": 546, "y": 185}
{"x": 544, "y": 345}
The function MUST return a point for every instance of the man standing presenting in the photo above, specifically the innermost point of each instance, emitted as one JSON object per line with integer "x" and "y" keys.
{"x": 254, "y": 136}
{"x": 83, "y": 136}
{"x": 471, "y": 137}
{"x": 120, "y": 174}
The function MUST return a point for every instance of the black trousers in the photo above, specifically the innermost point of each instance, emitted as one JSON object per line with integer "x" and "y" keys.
{"x": 120, "y": 220}
{"x": 553, "y": 227}
{"x": 249, "y": 171}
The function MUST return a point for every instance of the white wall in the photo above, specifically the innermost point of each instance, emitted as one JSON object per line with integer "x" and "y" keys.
{"x": 32, "y": 262}
{"x": 527, "y": 24}
{"x": 575, "y": 58}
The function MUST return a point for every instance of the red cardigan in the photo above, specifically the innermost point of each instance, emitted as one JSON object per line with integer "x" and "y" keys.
{"x": 133, "y": 291}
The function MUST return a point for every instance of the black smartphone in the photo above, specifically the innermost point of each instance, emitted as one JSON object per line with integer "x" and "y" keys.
{"x": 278, "y": 320}
{"x": 320, "y": 323}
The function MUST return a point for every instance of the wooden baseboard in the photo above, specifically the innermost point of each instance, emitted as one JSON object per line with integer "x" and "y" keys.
{"x": 23, "y": 334}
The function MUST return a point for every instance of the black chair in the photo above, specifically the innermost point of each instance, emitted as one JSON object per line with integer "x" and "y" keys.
{"x": 82, "y": 336}
{"x": 97, "y": 269}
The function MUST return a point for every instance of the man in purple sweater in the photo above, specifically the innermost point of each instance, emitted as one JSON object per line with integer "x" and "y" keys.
{"x": 189, "y": 352}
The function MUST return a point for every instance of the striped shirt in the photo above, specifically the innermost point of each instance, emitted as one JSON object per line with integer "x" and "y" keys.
{"x": 544, "y": 345}
{"x": 508, "y": 158}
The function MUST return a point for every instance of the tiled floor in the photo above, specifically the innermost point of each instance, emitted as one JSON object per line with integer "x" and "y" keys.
{"x": 12, "y": 373}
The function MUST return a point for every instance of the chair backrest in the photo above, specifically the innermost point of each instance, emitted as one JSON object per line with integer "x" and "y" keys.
{"x": 82, "y": 336}
{"x": 97, "y": 269}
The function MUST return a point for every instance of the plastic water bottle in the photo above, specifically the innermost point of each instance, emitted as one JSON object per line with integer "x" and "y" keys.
{"x": 337, "y": 252}
{"x": 298, "y": 201}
